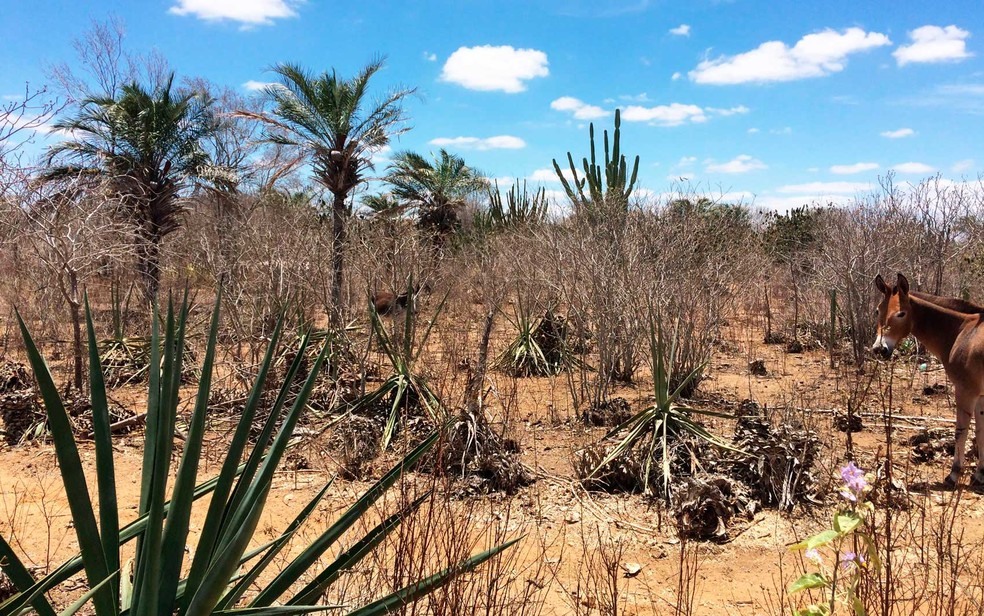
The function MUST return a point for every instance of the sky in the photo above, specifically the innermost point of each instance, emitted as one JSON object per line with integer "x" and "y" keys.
{"x": 774, "y": 103}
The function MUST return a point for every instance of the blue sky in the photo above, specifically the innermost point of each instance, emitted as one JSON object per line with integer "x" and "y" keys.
{"x": 774, "y": 102}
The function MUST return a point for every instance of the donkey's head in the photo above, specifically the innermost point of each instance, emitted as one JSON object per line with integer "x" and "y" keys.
{"x": 894, "y": 316}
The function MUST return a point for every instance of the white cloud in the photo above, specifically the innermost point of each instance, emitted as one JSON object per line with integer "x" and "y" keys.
{"x": 814, "y": 55}
{"x": 963, "y": 166}
{"x": 499, "y": 142}
{"x": 676, "y": 76}
{"x": 898, "y": 134}
{"x": 246, "y": 12}
{"x": 681, "y": 30}
{"x": 911, "y": 167}
{"x": 673, "y": 114}
{"x": 740, "y": 164}
{"x": 784, "y": 204}
{"x": 676, "y": 114}
{"x": 825, "y": 188}
{"x": 489, "y": 68}
{"x": 852, "y": 169}
{"x": 739, "y": 110}
{"x": 752, "y": 131}
{"x": 633, "y": 98}
{"x": 381, "y": 156}
{"x": 785, "y": 130}
{"x": 430, "y": 57}
{"x": 580, "y": 109}
{"x": 256, "y": 86}
{"x": 934, "y": 44}
{"x": 550, "y": 175}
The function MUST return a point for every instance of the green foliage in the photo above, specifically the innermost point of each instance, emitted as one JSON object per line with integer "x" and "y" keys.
{"x": 382, "y": 203}
{"x": 541, "y": 346}
{"x": 657, "y": 426}
{"x": 405, "y": 387}
{"x": 333, "y": 121}
{"x": 852, "y": 552}
{"x": 148, "y": 143}
{"x": 608, "y": 187}
{"x": 156, "y": 580}
{"x": 520, "y": 207}
{"x": 435, "y": 190}
{"x": 789, "y": 235}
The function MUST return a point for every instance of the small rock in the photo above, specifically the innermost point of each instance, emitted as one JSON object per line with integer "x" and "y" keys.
{"x": 631, "y": 569}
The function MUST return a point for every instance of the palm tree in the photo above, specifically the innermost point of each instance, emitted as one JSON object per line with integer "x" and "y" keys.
{"x": 332, "y": 120}
{"x": 148, "y": 143}
{"x": 437, "y": 190}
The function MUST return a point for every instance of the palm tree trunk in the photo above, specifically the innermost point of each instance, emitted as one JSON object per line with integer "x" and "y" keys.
{"x": 149, "y": 265}
{"x": 338, "y": 216}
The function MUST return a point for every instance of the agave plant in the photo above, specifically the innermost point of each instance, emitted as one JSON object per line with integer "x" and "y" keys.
{"x": 223, "y": 569}
{"x": 540, "y": 347}
{"x": 658, "y": 426}
{"x": 404, "y": 386}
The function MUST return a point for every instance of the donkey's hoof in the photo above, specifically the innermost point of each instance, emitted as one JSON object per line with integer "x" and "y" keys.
{"x": 951, "y": 480}
{"x": 977, "y": 480}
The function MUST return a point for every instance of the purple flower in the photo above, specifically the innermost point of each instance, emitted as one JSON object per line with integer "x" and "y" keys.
{"x": 849, "y": 558}
{"x": 813, "y": 554}
{"x": 854, "y": 482}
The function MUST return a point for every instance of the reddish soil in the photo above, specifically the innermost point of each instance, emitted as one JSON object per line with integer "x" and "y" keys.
{"x": 569, "y": 532}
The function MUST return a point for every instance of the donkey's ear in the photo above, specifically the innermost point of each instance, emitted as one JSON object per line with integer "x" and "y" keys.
{"x": 881, "y": 286}
{"x": 903, "y": 284}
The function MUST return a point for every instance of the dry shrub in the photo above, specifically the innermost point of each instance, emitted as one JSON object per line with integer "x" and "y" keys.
{"x": 627, "y": 472}
{"x": 485, "y": 460}
{"x": 355, "y": 442}
{"x": 611, "y": 412}
{"x": 7, "y": 588}
{"x": 704, "y": 505}
{"x": 780, "y": 463}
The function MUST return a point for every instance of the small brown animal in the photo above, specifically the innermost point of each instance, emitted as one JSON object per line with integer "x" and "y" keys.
{"x": 387, "y": 303}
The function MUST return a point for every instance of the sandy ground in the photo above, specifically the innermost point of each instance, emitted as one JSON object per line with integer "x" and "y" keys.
{"x": 571, "y": 534}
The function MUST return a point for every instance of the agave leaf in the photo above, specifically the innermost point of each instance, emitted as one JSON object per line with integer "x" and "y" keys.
{"x": 166, "y": 377}
{"x": 238, "y": 507}
{"x": 393, "y": 602}
{"x": 73, "y": 477}
{"x": 153, "y": 433}
{"x": 293, "y": 571}
{"x": 244, "y": 522}
{"x": 179, "y": 517}
{"x": 30, "y": 590}
{"x": 422, "y": 344}
{"x": 81, "y": 601}
{"x": 314, "y": 589}
{"x": 231, "y": 469}
{"x": 279, "y": 610}
{"x": 275, "y": 547}
{"x": 109, "y": 520}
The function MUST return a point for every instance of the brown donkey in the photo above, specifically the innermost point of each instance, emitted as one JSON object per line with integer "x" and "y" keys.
{"x": 953, "y": 331}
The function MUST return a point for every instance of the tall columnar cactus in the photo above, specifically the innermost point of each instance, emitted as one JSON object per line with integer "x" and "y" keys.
{"x": 617, "y": 186}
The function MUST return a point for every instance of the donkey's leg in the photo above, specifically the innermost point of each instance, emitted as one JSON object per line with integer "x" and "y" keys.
{"x": 966, "y": 404}
{"x": 978, "y": 479}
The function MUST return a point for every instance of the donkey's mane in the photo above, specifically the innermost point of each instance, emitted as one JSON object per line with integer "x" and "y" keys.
{"x": 951, "y": 303}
